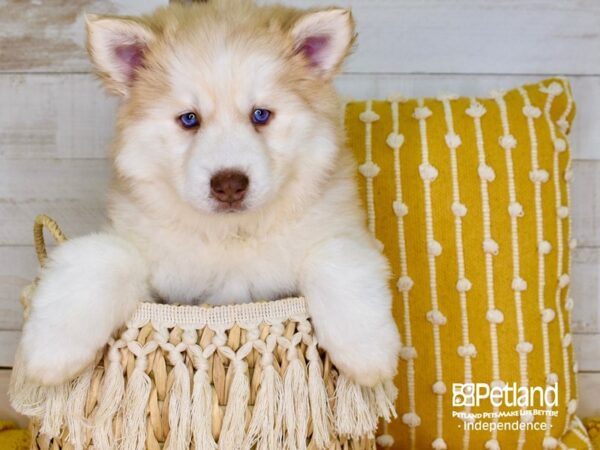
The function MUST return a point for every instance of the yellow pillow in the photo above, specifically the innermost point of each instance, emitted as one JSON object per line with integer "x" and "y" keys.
{"x": 13, "y": 438}
{"x": 470, "y": 201}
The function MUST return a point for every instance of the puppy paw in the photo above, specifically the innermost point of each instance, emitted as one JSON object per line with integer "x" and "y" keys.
{"x": 89, "y": 287}
{"x": 367, "y": 359}
{"x": 54, "y": 358}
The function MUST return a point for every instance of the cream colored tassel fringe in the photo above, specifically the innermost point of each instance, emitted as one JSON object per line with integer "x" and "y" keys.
{"x": 179, "y": 408}
{"x": 265, "y": 429}
{"x": 355, "y": 415}
{"x": 233, "y": 429}
{"x": 134, "y": 410}
{"x": 75, "y": 416}
{"x": 109, "y": 401}
{"x": 317, "y": 393}
{"x": 29, "y": 397}
{"x": 279, "y": 420}
{"x": 292, "y": 409}
{"x": 55, "y": 410}
{"x": 295, "y": 404}
{"x": 201, "y": 420}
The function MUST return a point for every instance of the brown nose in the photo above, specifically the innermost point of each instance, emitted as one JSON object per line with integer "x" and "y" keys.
{"x": 229, "y": 186}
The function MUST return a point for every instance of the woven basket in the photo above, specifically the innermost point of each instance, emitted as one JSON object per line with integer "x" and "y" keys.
{"x": 229, "y": 377}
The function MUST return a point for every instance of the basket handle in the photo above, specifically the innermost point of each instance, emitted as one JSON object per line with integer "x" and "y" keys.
{"x": 40, "y": 222}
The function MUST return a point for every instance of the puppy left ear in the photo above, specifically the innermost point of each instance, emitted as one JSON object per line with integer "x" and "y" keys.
{"x": 324, "y": 39}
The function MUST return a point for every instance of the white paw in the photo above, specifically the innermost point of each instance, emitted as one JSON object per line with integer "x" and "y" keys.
{"x": 366, "y": 356}
{"x": 89, "y": 288}
{"x": 54, "y": 357}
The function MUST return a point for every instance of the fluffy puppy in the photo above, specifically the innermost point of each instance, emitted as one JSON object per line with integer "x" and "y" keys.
{"x": 231, "y": 183}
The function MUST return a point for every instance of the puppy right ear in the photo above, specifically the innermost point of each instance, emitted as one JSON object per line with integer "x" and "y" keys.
{"x": 323, "y": 39}
{"x": 117, "y": 46}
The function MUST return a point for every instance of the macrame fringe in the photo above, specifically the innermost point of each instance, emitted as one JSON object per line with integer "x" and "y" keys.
{"x": 292, "y": 409}
{"x": 76, "y": 422}
{"x": 288, "y": 402}
{"x": 370, "y": 403}
{"x": 317, "y": 394}
{"x": 295, "y": 405}
{"x": 385, "y": 395}
{"x": 134, "y": 410}
{"x": 179, "y": 408}
{"x": 355, "y": 415}
{"x": 109, "y": 401}
{"x": 391, "y": 391}
{"x": 56, "y": 402}
{"x": 265, "y": 429}
{"x": 294, "y": 400}
{"x": 201, "y": 421}
{"x": 233, "y": 428}
{"x": 25, "y": 396}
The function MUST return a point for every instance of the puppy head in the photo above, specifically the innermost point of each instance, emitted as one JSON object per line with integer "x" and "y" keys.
{"x": 228, "y": 106}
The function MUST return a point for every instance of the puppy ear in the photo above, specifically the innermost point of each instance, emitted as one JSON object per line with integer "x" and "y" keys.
{"x": 117, "y": 46}
{"x": 324, "y": 39}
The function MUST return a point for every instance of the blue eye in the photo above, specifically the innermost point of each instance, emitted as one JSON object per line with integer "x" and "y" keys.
{"x": 260, "y": 116}
{"x": 189, "y": 120}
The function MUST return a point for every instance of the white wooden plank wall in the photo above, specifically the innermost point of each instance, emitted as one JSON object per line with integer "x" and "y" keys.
{"x": 56, "y": 123}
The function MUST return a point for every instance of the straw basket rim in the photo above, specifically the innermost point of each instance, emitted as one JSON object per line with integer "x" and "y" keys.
{"x": 219, "y": 317}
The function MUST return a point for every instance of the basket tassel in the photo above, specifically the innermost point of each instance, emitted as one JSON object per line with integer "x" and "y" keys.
{"x": 136, "y": 397}
{"x": 201, "y": 424}
{"x": 370, "y": 412}
{"x": 354, "y": 415}
{"x": 26, "y": 397}
{"x": 53, "y": 418}
{"x": 179, "y": 404}
{"x": 385, "y": 398}
{"x": 265, "y": 428}
{"x": 391, "y": 392}
{"x": 113, "y": 388}
{"x": 234, "y": 421}
{"x": 295, "y": 398}
{"x": 76, "y": 408}
{"x": 318, "y": 399}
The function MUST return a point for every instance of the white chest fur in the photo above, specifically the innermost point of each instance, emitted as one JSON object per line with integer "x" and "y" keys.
{"x": 236, "y": 269}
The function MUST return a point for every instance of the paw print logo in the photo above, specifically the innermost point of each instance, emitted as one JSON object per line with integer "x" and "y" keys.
{"x": 463, "y": 394}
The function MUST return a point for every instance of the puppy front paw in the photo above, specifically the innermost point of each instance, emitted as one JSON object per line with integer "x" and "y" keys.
{"x": 90, "y": 286}
{"x": 52, "y": 358}
{"x": 367, "y": 359}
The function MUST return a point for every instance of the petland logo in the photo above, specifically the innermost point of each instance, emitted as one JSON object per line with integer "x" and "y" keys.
{"x": 472, "y": 394}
